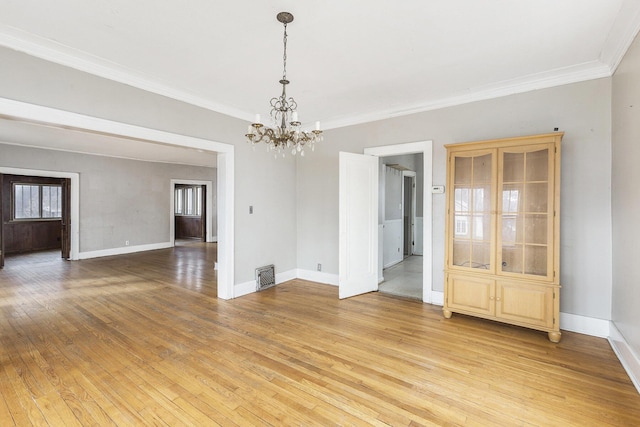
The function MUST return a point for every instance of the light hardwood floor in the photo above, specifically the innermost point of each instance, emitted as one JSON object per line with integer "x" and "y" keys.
{"x": 141, "y": 340}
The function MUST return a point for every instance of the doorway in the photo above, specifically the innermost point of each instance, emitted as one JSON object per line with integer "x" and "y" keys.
{"x": 59, "y": 119}
{"x": 409, "y": 212}
{"x": 44, "y": 220}
{"x": 401, "y": 178}
{"x": 351, "y": 263}
{"x": 203, "y": 213}
{"x": 190, "y": 212}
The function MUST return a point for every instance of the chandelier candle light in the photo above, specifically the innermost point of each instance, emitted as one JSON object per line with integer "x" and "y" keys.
{"x": 285, "y": 133}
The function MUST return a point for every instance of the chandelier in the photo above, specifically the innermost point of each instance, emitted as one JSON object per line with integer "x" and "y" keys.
{"x": 286, "y": 132}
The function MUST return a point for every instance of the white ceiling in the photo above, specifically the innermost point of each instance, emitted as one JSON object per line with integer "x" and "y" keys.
{"x": 349, "y": 61}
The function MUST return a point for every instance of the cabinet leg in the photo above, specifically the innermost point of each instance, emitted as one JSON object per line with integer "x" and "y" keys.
{"x": 447, "y": 313}
{"x": 554, "y": 336}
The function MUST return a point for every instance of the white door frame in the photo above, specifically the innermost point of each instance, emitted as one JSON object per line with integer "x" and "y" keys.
{"x": 424, "y": 147}
{"x": 31, "y": 113}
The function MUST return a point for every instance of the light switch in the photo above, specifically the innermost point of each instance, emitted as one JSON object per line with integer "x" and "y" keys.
{"x": 250, "y": 210}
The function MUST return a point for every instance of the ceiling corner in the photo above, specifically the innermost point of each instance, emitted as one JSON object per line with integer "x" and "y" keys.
{"x": 623, "y": 32}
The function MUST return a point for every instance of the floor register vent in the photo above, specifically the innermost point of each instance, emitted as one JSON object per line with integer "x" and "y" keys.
{"x": 265, "y": 277}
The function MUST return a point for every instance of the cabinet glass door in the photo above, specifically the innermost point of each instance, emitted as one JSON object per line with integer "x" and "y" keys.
{"x": 525, "y": 212}
{"x": 471, "y": 227}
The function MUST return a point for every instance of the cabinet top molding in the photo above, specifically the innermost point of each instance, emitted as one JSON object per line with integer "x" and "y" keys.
{"x": 492, "y": 143}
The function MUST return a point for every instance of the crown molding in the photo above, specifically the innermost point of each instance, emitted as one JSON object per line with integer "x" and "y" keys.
{"x": 61, "y": 54}
{"x": 558, "y": 77}
{"x": 623, "y": 32}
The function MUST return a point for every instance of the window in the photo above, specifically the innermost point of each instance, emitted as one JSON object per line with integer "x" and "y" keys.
{"x": 188, "y": 200}
{"x": 37, "y": 201}
{"x": 462, "y": 226}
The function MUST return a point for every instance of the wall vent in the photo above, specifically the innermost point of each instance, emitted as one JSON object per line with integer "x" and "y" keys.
{"x": 265, "y": 277}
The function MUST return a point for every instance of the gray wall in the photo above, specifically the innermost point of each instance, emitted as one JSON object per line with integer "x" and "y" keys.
{"x": 119, "y": 199}
{"x": 413, "y": 162}
{"x": 392, "y": 194}
{"x": 582, "y": 110}
{"x": 268, "y": 236}
{"x": 296, "y": 225}
{"x": 626, "y": 196}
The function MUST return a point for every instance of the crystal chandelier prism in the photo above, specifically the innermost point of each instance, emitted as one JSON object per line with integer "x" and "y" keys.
{"x": 286, "y": 133}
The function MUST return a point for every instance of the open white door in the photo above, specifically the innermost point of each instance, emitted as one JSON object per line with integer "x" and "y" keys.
{"x": 358, "y": 224}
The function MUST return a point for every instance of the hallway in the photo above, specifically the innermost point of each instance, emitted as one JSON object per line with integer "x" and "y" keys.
{"x": 404, "y": 279}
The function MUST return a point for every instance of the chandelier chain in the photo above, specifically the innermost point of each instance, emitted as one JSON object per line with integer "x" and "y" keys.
{"x": 284, "y": 56}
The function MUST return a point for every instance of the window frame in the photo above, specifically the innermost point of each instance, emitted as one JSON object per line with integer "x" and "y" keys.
{"x": 182, "y": 204}
{"x": 40, "y": 201}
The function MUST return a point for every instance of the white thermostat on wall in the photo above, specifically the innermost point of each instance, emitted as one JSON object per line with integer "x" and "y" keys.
{"x": 437, "y": 189}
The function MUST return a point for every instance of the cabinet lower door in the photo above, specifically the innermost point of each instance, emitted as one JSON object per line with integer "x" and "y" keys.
{"x": 525, "y": 303}
{"x": 471, "y": 294}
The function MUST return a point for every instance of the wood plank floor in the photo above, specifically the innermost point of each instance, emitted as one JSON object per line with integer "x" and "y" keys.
{"x": 141, "y": 340}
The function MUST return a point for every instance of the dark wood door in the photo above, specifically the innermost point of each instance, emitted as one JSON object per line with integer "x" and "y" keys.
{"x": 1, "y": 225}
{"x": 203, "y": 217}
{"x": 65, "y": 229}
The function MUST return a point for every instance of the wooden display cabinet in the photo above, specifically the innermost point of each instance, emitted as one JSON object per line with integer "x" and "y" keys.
{"x": 502, "y": 255}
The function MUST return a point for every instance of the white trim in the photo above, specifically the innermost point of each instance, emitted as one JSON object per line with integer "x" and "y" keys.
{"x": 124, "y": 250}
{"x": 58, "y": 53}
{"x": 226, "y": 223}
{"x": 249, "y": 287}
{"x": 426, "y": 148}
{"x": 93, "y": 153}
{"x": 75, "y": 200}
{"x": 623, "y": 31}
{"x": 568, "y": 322}
{"x": 318, "y": 277}
{"x": 437, "y": 298}
{"x": 584, "y": 325}
{"x": 562, "y": 76}
{"x": 208, "y": 208}
{"x": 245, "y": 288}
{"x": 285, "y": 276}
{"x": 628, "y": 358}
{"x": 31, "y": 113}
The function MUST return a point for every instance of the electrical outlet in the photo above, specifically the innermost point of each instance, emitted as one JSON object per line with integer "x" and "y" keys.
{"x": 250, "y": 210}
{"x": 319, "y": 267}
{"x": 126, "y": 243}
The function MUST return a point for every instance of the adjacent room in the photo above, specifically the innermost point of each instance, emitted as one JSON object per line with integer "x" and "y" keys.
{"x": 319, "y": 213}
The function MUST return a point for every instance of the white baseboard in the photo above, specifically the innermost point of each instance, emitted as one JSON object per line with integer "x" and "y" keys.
{"x": 584, "y": 325}
{"x": 249, "y": 287}
{"x": 286, "y": 276}
{"x": 317, "y": 276}
{"x": 241, "y": 289}
{"x": 568, "y": 322}
{"x": 628, "y": 358}
{"x": 437, "y": 298}
{"x": 392, "y": 263}
{"x": 124, "y": 250}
